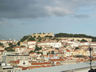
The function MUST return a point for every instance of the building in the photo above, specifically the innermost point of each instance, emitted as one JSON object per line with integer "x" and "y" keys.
{"x": 31, "y": 44}
{"x": 24, "y": 44}
{"x": 20, "y": 50}
{"x": 42, "y": 34}
{"x": 51, "y": 44}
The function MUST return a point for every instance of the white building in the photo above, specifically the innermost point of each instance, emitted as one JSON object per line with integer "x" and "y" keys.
{"x": 84, "y": 43}
{"x": 51, "y": 44}
{"x": 20, "y": 49}
{"x": 74, "y": 44}
{"x": 31, "y": 44}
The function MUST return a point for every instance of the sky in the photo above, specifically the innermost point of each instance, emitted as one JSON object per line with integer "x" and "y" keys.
{"x": 24, "y": 17}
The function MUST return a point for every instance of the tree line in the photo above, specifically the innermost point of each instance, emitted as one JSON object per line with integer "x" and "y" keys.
{"x": 75, "y": 35}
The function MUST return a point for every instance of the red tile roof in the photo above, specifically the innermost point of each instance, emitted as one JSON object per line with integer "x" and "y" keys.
{"x": 41, "y": 63}
{"x": 57, "y": 59}
{"x": 68, "y": 50}
{"x": 16, "y": 62}
{"x": 32, "y": 67}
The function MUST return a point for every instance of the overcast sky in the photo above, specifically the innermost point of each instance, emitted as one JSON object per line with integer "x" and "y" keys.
{"x": 22, "y": 17}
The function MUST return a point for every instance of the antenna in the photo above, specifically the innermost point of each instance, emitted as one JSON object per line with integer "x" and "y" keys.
{"x": 90, "y": 50}
{"x": 91, "y": 69}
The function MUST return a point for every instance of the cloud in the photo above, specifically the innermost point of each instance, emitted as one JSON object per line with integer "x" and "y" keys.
{"x": 58, "y": 11}
{"x": 81, "y": 16}
{"x": 40, "y": 8}
{"x": 3, "y": 21}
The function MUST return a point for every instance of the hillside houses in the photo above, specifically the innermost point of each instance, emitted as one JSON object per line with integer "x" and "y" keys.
{"x": 20, "y": 50}
{"x": 47, "y": 52}
{"x": 31, "y": 44}
{"x": 50, "y": 44}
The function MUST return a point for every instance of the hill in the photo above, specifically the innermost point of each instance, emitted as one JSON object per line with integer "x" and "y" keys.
{"x": 30, "y": 38}
{"x": 73, "y": 35}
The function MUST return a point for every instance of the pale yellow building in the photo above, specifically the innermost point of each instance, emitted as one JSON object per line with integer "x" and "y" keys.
{"x": 42, "y": 34}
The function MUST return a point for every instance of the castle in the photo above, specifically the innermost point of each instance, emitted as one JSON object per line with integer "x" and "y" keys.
{"x": 42, "y": 34}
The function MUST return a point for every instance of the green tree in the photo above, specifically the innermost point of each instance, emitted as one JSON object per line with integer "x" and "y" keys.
{"x": 83, "y": 40}
{"x": 49, "y": 36}
{"x": 9, "y": 49}
{"x": 37, "y": 48}
{"x": 39, "y": 53}
{"x": 34, "y": 36}
{"x": 10, "y": 44}
{"x": 31, "y": 39}
{"x": 52, "y": 52}
{"x": 18, "y": 43}
{"x": 1, "y": 44}
{"x": 72, "y": 35}
{"x": 93, "y": 39}
{"x": 77, "y": 48}
{"x": 22, "y": 46}
{"x": 24, "y": 38}
{"x": 31, "y": 52}
{"x": 39, "y": 39}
